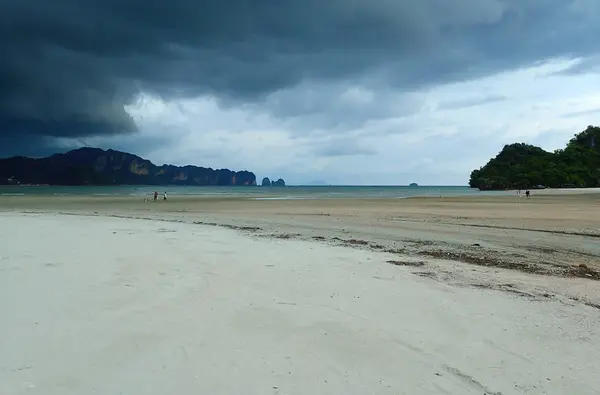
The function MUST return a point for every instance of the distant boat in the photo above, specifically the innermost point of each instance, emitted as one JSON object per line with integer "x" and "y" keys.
{"x": 413, "y": 184}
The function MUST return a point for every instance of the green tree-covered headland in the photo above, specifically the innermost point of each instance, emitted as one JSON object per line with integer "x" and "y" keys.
{"x": 522, "y": 166}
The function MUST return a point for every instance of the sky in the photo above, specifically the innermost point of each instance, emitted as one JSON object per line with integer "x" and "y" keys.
{"x": 380, "y": 92}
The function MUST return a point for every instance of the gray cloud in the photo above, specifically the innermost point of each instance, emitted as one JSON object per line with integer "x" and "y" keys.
{"x": 69, "y": 67}
{"x": 576, "y": 114}
{"x": 336, "y": 107}
{"x": 471, "y": 102}
{"x": 342, "y": 147}
{"x": 586, "y": 65}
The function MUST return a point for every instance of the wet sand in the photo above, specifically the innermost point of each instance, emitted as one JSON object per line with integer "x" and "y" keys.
{"x": 554, "y": 232}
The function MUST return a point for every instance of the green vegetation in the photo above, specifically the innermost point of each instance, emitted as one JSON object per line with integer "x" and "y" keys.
{"x": 522, "y": 166}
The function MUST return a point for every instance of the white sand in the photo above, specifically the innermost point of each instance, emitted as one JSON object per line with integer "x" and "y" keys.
{"x": 93, "y": 305}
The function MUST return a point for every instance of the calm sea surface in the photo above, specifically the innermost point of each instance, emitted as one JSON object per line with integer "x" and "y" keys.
{"x": 278, "y": 193}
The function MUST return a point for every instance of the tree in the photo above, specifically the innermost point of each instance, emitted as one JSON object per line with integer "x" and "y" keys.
{"x": 521, "y": 166}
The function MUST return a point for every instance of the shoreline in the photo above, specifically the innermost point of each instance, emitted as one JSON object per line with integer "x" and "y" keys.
{"x": 280, "y": 192}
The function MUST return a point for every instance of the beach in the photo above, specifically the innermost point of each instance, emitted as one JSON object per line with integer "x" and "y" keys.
{"x": 553, "y": 232}
{"x": 451, "y": 295}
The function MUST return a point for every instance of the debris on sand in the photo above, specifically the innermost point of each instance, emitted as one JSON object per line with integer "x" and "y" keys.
{"x": 407, "y": 263}
{"x": 583, "y": 270}
{"x": 482, "y": 259}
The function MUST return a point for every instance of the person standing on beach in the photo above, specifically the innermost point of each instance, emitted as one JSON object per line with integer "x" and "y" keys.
{"x": 155, "y": 196}
{"x": 165, "y": 196}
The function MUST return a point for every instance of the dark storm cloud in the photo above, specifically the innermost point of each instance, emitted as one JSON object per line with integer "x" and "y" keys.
{"x": 69, "y": 66}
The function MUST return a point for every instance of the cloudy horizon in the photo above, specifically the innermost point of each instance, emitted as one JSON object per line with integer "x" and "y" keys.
{"x": 348, "y": 92}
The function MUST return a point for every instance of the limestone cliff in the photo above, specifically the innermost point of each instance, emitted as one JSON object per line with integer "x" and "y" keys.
{"x": 266, "y": 182}
{"x": 94, "y": 166}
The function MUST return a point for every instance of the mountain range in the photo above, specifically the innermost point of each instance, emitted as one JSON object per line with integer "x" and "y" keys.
{"x": 94, "y": 166}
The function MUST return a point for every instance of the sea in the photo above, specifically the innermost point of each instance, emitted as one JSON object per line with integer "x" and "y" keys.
{"x": 252, "y": 192}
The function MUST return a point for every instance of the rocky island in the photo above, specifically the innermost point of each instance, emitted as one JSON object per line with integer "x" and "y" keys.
{"x": 94, "y": 166}
{"x": 522, "y": 166}
{"x": 266, "y": 182}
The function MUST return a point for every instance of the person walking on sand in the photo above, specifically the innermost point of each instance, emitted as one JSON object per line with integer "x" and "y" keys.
{"x": 165, "y": 196}
{"x": 155, "y": 196}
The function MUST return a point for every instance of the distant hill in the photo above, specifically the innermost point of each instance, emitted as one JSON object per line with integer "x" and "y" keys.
{"x": 521, "y": 166}
{"x": 94, "y": 166}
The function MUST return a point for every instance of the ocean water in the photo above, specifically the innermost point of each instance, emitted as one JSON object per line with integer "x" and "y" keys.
{"x": 261, "y": 193}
